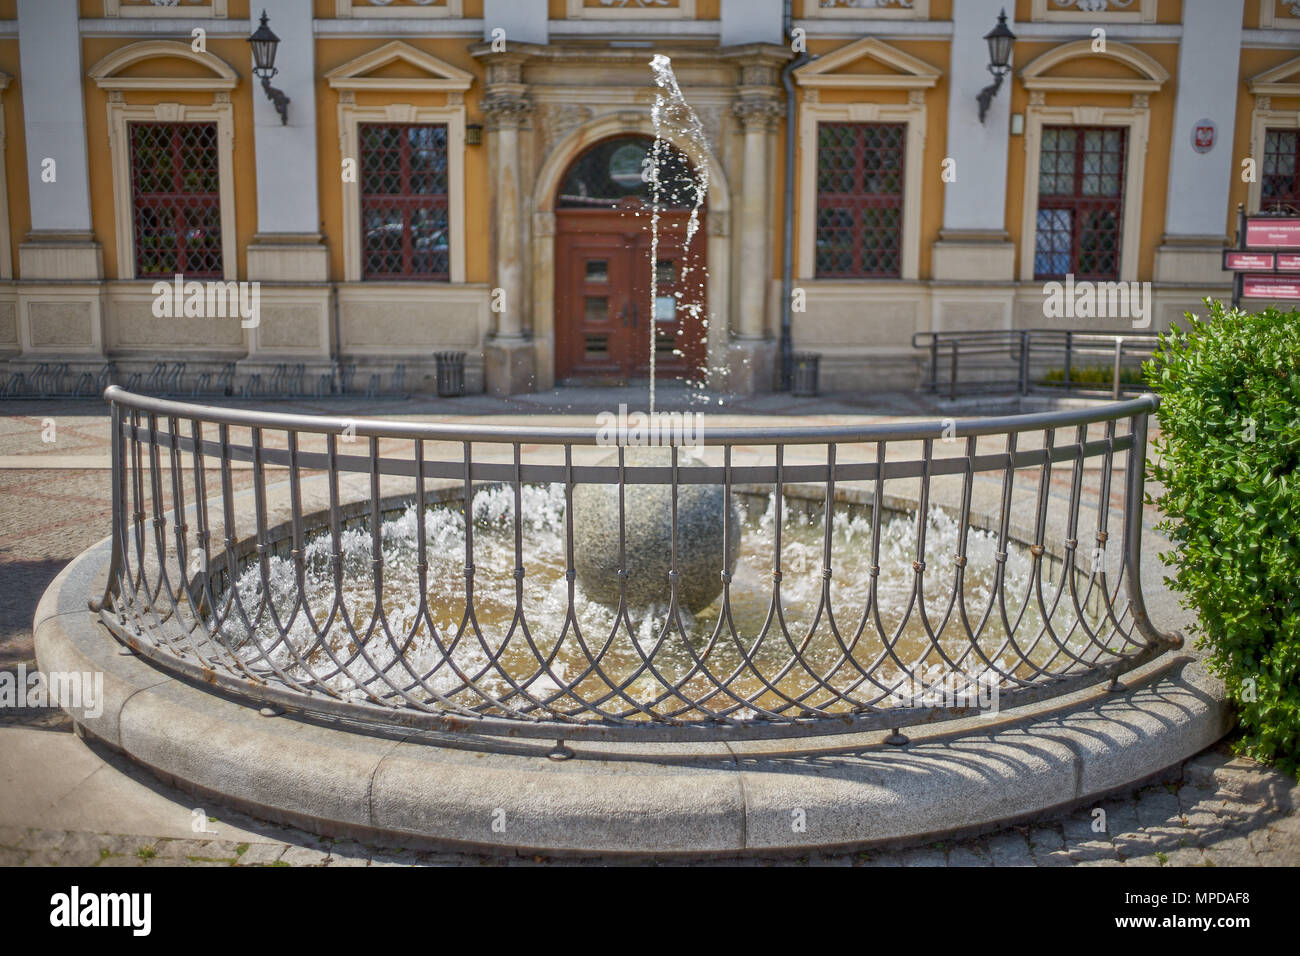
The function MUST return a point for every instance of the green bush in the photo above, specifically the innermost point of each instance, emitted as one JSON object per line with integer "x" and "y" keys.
{"x": 1227, "y": 459}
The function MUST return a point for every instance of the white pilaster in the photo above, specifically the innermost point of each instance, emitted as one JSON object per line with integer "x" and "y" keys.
{"x": 54, "y": 116}
{"x": 752, "y": 21}
{"x": 286, "y": 168}
{"x": 1207, "y": 89}
{"x": 523, "y": 20}
{"x": 973, "y": 245}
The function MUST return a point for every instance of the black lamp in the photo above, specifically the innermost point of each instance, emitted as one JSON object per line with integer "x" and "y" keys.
{"x": 1000, "y": 40}
{"x": 264, "y": 44}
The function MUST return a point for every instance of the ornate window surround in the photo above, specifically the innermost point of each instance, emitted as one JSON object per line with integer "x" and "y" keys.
{"x": 578, "y": 10}
{"x": 121, "y": 113}
{"x": 915, "y": 76}
{"x": 346, "y": 9}
{"x": 919, "y": 10}
{"x": 1269, "y": 20}
{"x": 1264, "y": 87}
{"x": 442, "y": 77}
{"x": 1143, "y": 11}
{"x": 215, "y": 9}
{"x": 1137, "y": 118}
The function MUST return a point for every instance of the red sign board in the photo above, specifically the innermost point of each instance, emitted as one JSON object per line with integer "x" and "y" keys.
{"x": 1249, "y": 261}
{"x": 1271, "y": 233}
{"x": 1287, "y": 263}
{"x": 1270, "y": 287}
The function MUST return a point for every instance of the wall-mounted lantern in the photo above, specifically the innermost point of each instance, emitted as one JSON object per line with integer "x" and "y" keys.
{"x": 474, "y": 134}
{"x": 1000, "y": 40}
{"x": 264, "y": 44}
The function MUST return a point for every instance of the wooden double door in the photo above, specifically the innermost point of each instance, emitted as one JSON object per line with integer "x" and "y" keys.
{"x": 604, "y": 313}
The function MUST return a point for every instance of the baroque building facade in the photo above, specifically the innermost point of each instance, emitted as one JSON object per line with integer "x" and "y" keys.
{"x": 468, "y": 175}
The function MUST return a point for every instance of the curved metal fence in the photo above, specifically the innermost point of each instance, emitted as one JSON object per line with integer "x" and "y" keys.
{"x": 425, "y": 575}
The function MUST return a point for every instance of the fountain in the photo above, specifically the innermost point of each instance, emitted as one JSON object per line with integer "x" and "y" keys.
{"x": 634, "y": 530}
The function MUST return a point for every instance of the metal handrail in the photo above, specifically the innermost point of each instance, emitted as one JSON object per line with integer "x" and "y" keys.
{"x": 1021, "y": 346}
{"x": 182, "y": 535}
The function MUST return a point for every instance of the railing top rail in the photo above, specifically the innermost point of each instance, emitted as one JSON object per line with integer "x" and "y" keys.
{"x": 1012, "y": 335}
{"x": 560, "y": 435}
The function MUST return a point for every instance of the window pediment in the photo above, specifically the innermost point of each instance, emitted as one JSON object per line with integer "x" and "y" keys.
{"x": 120, "y": 71}
{"x": 1064, "y": 68}
{"x": 399, "y": 66}
{"x": 1283, "y": 80}
{"x": 878, "y": 66}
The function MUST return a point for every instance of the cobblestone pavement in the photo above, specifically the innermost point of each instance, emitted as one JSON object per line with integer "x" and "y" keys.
{"x": 1214, "y": 811}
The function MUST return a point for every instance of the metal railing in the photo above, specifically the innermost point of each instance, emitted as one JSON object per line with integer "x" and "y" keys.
{"x": 285, "y": 380}
{"x": 258, "y": 553}
{"x": 1036, "y": 361}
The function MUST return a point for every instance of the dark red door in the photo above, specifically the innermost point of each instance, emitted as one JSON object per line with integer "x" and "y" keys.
{"x": 604, "y": 305}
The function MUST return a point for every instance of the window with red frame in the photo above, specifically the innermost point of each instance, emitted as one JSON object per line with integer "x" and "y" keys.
{"x": 404, "y": 218}
{"x": 1279, "y": 184}
{"x": 860, "y": 200}
{"x": 176, "y": 199}
{"x": 1080, "y": 202}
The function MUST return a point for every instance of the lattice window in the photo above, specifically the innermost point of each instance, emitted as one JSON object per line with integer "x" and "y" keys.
{"x": 860, "y": 200}
{"x": 1080, "y": 202}
{"x": 404, "y": 220}
{"x": 176, "y": 201}
{"x": 1280, "y": 184}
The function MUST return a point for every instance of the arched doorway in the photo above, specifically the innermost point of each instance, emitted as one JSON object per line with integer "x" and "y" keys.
{"x": 603, "y": 306}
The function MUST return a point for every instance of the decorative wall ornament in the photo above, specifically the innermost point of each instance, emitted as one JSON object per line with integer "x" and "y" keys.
{"x": 505, "y": 110}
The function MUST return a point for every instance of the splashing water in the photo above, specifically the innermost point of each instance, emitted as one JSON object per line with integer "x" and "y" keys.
{"x": 441, "y": 638}
{"x": 673, "y": 120}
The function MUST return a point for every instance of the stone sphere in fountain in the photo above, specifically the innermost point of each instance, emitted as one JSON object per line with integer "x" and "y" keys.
{"x": 648, "y": 523}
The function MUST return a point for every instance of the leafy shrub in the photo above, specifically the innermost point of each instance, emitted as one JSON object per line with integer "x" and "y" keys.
{"x": 1228, "y": 454}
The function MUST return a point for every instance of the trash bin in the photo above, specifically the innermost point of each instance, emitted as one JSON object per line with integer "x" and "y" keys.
{"x": 805, "y": 374}
{"x": 450, "y": 373}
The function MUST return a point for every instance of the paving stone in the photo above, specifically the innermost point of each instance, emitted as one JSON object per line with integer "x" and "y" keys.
{"x": 261, "y": 854}
{"x": 1009, "y": 848}
{"x": 965, "y": 856}
{"x": 12, "y": 857}
{"x": 44, "y": 839}
{"x": 1092, "y": 850}
{"x": 1053, "y": 858}
{"x": 924, "y": 856}
{"x": 113, "y": 862}
{"x": 1121, "y": 815}
{"x": 1102, "y": 861}
{"x": 12, "y": 836}
{"x": 303, "y": 856}
{"x": 1185, "y": 856}
{"x": 1046, "y": 839}
{"x": 1157, "y": 807}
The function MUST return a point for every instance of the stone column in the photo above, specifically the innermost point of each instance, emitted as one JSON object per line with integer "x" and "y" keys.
{"x": 508, "y": 357}
{"x": 758, "y": 118}
{"x": 753, "y": 349}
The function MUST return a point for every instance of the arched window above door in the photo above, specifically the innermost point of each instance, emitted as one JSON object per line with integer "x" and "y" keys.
{"x": 612, "y": 172}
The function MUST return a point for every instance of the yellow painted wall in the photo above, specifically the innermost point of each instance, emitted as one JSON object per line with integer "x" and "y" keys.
{"x": 1253, "y": 63}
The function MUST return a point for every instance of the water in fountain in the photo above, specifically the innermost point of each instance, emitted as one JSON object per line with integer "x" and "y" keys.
{"x": 545, "y": 622}
{"x": 673, "y": 120}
